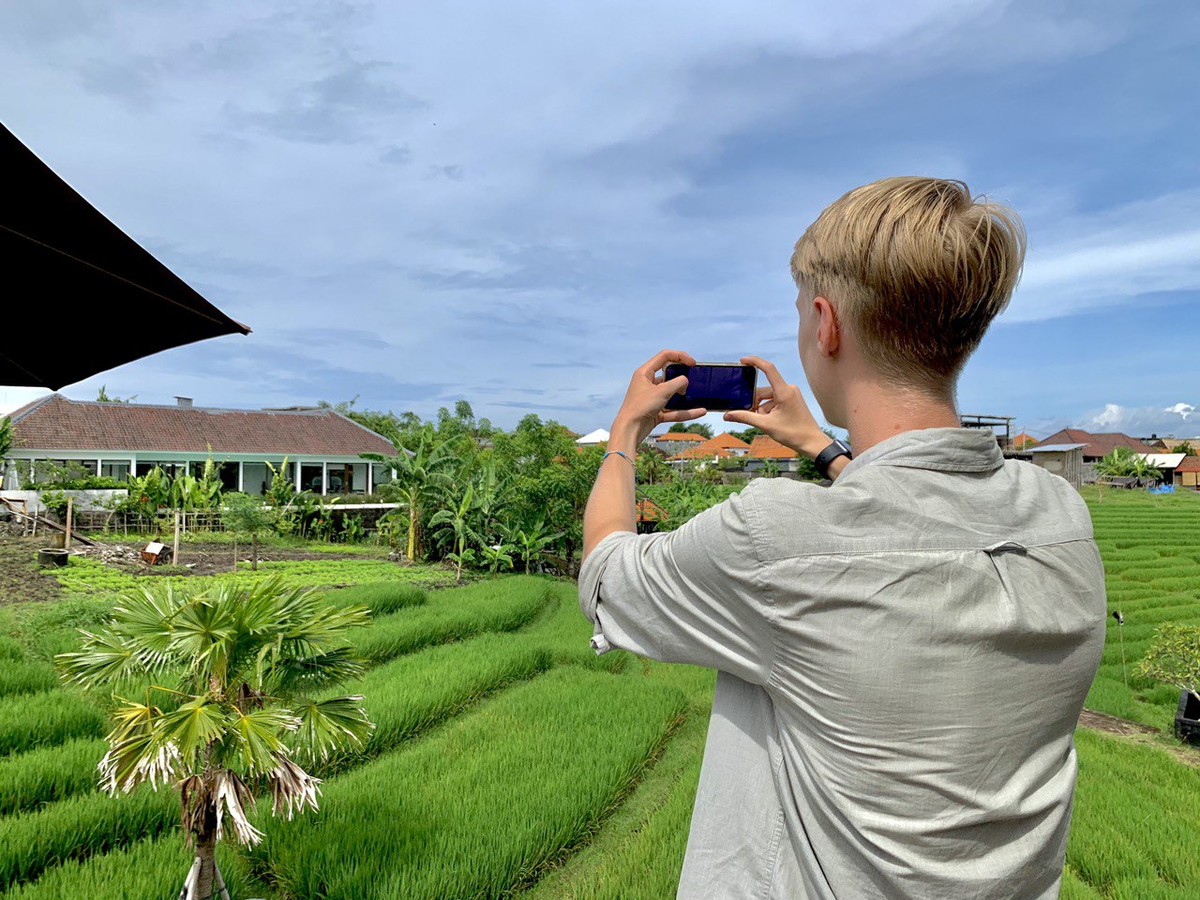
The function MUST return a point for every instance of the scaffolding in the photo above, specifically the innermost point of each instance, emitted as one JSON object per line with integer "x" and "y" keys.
{"x": 1005, "y": 440}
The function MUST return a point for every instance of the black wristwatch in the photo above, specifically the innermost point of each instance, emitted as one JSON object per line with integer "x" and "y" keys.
{"x": 829, "y": 454}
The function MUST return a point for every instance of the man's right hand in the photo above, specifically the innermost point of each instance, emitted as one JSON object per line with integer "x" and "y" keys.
{"x": 780, "y": 411}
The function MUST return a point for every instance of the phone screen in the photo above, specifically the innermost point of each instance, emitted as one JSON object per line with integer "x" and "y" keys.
{"x": 714, "y": 386}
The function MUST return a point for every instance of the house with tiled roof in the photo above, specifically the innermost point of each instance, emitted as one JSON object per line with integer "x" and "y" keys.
{"x": 673, "y": 442}
{"x": 322, "y": 448}
{"x": 764, "y": 448}
{"x": 1187, "y": 474}
{"x": 1097, "y": 444}
{"x": 719, "y": 446}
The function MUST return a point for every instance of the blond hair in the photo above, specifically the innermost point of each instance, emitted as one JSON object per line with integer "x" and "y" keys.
{"x": 916, "y": 269}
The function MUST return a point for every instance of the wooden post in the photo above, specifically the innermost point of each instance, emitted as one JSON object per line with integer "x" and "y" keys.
{"x": 175, "y": 550}
{"x": 70, "y": 510}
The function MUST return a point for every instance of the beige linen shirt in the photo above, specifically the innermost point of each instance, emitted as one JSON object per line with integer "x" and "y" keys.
{"x": 902, "y": 659}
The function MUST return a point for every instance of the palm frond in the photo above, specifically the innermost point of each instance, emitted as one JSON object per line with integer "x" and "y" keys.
{"x": 292, "y": 788}
{"x": 329, "y": 725}
{"x": 194, "y": 724}
{"x": 256, "y": 737}
{"x": 232, "y": 797}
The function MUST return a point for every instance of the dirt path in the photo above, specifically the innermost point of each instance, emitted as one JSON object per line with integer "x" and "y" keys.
{"x": 1142, "y": 734}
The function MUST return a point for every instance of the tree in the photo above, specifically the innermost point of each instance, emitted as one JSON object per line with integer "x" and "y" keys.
{"x": 1122, "y": 462}
{"x": 420, "y": 474}
{"x": 699, "y": 428}
{"x": 239, "y": 670}
{"x": 1174, "y": 657}
{"x": 6, "y": 439}
{"x": 455, "y": 527}
{"x": 103, "y": 397}
{"x": 532, "y": 541}
{"x": 1185, "y": 448}
{"x": 244, "y": 514}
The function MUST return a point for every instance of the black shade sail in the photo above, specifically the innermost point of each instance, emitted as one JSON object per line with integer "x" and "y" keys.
{"x": 80, "y": 296}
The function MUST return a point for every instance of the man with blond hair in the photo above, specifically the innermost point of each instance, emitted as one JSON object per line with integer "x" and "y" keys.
{"x": 902, "y": 656}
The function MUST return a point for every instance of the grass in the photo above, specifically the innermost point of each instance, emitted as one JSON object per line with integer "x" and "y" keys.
{"x": 47, "y": 718}
{"x": 485, "y": 804}
{"x": 511, "y": 760}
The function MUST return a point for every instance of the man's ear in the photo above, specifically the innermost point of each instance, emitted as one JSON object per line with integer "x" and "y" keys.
{"x": 829, "y": 334}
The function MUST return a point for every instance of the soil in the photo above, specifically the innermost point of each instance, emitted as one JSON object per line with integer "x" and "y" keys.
{"x": 1142, "y": 734}
{"x": 21, "y": 579}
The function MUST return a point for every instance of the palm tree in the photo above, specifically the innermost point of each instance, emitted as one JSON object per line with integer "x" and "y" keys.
{"x": 419, "y": 474}
{"x": 238, "y": 669}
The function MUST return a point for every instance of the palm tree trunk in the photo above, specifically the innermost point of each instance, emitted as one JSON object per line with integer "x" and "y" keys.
{"x": 205, "y": 864}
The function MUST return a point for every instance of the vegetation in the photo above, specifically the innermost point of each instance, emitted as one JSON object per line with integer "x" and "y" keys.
{"x": 1123, "y": 462}
{"x": 1174, "y": 657}
{"x": 240, "y": 668}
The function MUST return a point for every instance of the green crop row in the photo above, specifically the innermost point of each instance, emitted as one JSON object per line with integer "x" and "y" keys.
{"x": 405, "y": 697}
{"x": 484, "y": 805}
{"x": 452, "y": 615}
{"x": 150, "y": 869}
{"x": 47, "y": 718}
{"x": 33, "y": 779}
{"x": 26, "y": 677}
{"x": 380, "y": 597}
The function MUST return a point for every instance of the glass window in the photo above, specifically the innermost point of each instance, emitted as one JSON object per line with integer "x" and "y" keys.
{"x": 254, "y": 478}
{"x": 380, "y": 474}
{"x": 310, "y": 477}
{"x": 114, "y": 469}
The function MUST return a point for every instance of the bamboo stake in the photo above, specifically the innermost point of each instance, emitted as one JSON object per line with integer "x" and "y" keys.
{"x": 186, "y": 892}
{"x": 220, "y": 882}
{"x": 70, "y": 513}
{"x": 175, "y": 549}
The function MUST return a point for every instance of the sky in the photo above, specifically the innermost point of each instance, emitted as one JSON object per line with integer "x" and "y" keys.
{"x": 518, "y": 203}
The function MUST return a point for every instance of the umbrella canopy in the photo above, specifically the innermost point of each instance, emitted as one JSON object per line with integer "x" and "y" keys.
{"x": 74, "y": 275}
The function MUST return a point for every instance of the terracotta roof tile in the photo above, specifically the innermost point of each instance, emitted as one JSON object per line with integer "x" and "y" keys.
{"x": 681, "y": 436}
{"x": 1189, "y": 464}
{"x": 57, "y": 423}
{"x": 1098, "y": 444}
{"x": 763, "y": 447}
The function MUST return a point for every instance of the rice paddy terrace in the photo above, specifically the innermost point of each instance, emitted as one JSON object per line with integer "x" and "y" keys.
{"x": 510, "y": 761}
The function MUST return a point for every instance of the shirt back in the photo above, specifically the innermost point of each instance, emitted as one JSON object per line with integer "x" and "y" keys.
{"x": 903, "y": 658}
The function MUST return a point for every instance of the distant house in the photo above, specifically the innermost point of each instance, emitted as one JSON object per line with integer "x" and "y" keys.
{"x": 1187, "y": 474}
{"x": 718, "y": 447}
{"x": 592, "y": 438}
{"x": 1095, "y": 446}
{"x": 677, "y": 441}
{"x": 1022, "y": 441}
{"x": 322, "y": 448}
{"x": 649, "y": 514}
{"x": 1166, "y": 463}
{"x": 764, "y": 448}
{"x": 1065, "y": 460}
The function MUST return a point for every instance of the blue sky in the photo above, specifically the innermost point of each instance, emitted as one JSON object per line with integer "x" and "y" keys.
{"x": 518, "y": 203}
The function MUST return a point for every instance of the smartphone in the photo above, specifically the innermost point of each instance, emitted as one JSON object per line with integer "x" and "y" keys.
{"x": 714, "y": 386}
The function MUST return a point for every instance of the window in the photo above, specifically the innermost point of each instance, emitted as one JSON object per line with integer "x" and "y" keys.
{"x": 117, "y": 470}
{"x": 310, "y": 477}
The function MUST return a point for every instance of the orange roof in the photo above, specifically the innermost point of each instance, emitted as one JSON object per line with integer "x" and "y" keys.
{"x": 704, "y": 451}
{"x": 681, "y": 436}
{"x": 763, "y": 447}
{"x": 1189, "y": 464}
{"x": 728, "y": 441}
{"x": 1023, "y": 439}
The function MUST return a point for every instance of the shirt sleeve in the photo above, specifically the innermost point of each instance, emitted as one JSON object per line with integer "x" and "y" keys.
{"x": 695, "y": 595}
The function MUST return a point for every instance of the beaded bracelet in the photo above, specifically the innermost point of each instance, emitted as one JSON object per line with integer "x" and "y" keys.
{"x": 617, "y": 453}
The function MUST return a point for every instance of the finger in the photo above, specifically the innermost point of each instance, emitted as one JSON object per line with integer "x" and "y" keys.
{"x": 765, "y": 407}
{"x": 764, "y": 393}
{"x": 677, "y": 385}
{"x": 768, "y": 369}
{"x": 682, "y": 415}
{"x": 745, "y": 417}
{"x": 661, "y": 358}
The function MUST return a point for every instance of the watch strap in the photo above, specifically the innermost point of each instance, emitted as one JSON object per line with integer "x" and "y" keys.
{"x": 835, "y": 449}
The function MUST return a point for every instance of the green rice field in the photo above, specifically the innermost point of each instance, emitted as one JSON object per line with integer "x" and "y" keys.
{"x": 509, "y": 761}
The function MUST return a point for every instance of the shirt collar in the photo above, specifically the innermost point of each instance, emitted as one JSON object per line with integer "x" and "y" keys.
{"x": 942, "y": 449}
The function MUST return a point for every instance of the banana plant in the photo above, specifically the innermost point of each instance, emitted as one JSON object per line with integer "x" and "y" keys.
{"x": 453, "y": 525}
{"x": 530, "y": 542}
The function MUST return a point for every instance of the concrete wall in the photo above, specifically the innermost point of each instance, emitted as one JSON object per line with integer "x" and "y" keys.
{"x": 84, "y": 500}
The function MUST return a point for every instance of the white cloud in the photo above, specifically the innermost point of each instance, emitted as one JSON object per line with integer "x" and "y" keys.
{"x": 1173, "y": 420}
{"x": 1081, "y": 262}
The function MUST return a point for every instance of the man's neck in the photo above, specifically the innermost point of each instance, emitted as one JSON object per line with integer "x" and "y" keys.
{"x": 874, "y": 414}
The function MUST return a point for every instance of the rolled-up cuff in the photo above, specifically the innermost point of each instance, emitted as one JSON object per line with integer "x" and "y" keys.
{"x": 589, "y": 585}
